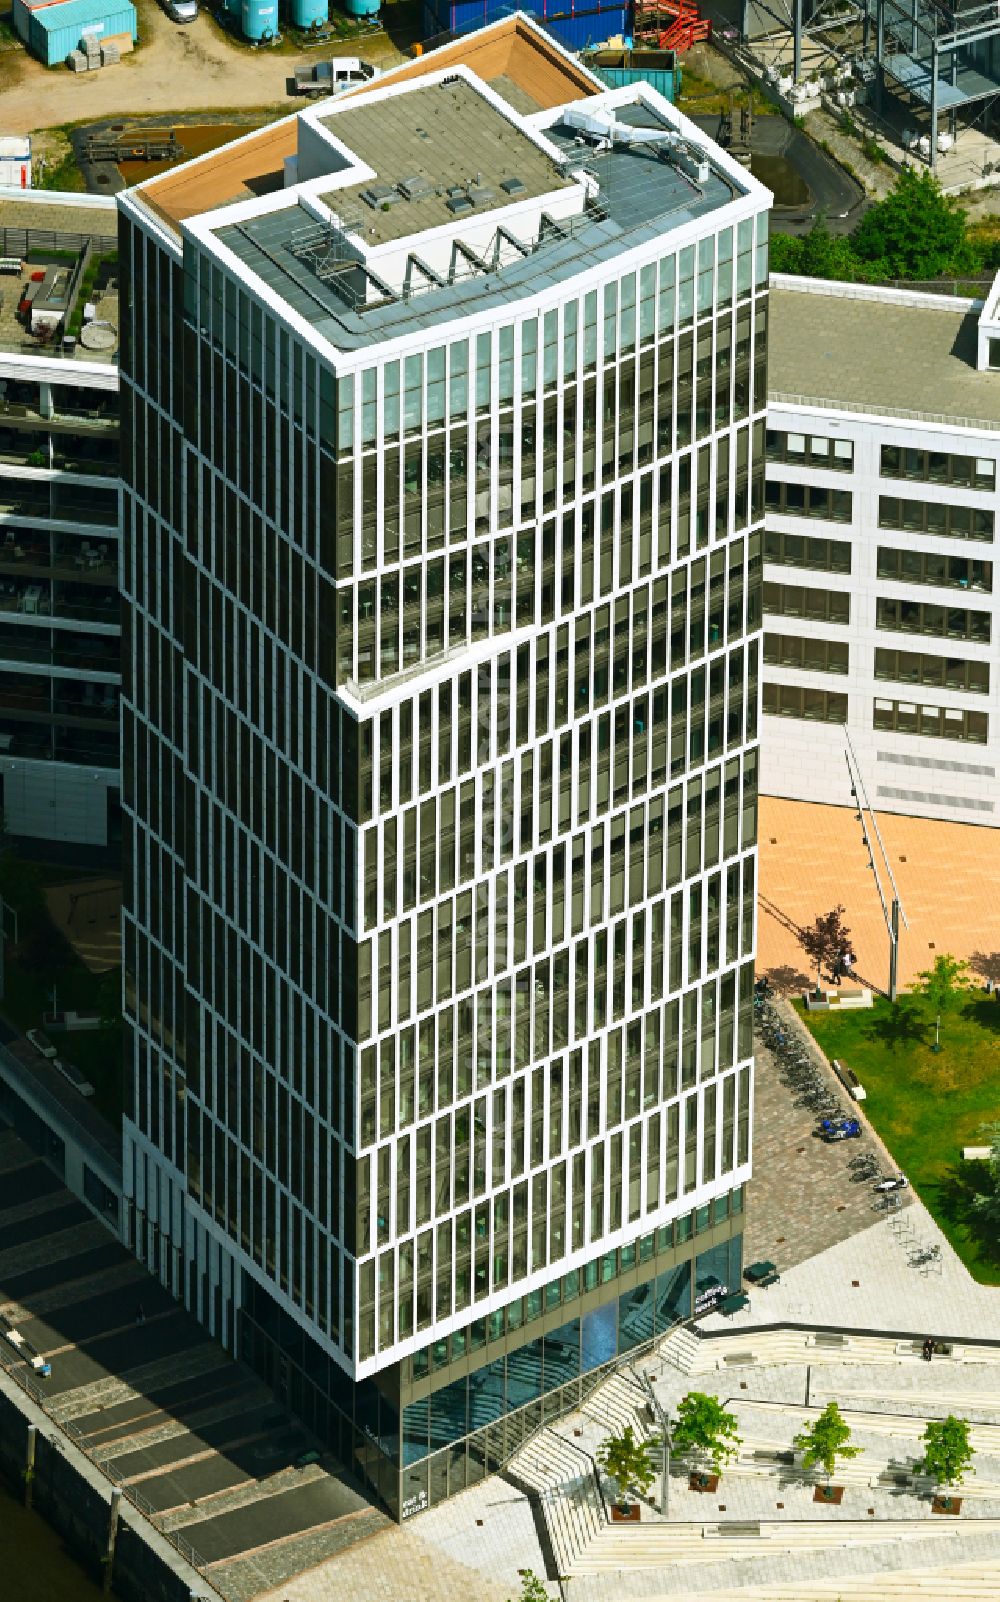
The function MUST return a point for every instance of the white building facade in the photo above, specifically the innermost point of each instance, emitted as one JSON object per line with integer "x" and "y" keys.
{"x": 879, "y": 582}
{"x": 456, "y": 1085}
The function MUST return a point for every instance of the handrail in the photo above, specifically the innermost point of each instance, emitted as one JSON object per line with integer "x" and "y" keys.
{"x": 145, "y": 1508}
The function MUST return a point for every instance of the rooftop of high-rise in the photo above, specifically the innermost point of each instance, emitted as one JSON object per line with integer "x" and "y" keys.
{"x": 434, "y": 196}
{"x": 59, "y": 291}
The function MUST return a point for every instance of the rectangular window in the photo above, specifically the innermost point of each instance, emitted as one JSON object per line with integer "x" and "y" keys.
{"x": 796, "y": 701}
{"x": 809, "y": 500}
{"x": 938, "y": 467}
{"x": 800, "y": 550}
{"x": 934, "y": 517}
{"x": 929, "y": 567}
{"x": 821, "y": 606}
{"x": 801, "y": 651}
{"x": 943, "y": 622}
{"x": 942, "y": 672}
{"x": 937, "y": 722}
{"x": 810, "y": 450}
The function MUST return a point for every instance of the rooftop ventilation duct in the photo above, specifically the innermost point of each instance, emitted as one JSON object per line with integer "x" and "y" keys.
{"x": 604, "y": 128}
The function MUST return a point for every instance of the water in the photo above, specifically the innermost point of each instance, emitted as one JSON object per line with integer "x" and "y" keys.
{"x": 36, "y": 1567}
{"x": 195, "y": 139}
{"x": 787, "y": 186}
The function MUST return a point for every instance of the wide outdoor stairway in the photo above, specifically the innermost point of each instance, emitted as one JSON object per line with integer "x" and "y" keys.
{"x": 712, "y": 1351}
{"x": 651, "y": 1546}
{"x": 956, "y": 1582}
{"x": 564, "y": 1480}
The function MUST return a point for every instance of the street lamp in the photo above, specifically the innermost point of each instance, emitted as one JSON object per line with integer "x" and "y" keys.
{"x": 664, "y": 1424}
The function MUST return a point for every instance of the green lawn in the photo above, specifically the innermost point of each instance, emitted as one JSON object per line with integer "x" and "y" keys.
{"x": 927, "y": 1106}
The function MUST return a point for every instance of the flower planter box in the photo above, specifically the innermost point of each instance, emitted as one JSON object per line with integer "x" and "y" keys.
{"x": 834, "y": 1494}
{"x": 947, "y": 1504}
{"x": 625, "y": 1515}
{"x": 703, "y": 1482}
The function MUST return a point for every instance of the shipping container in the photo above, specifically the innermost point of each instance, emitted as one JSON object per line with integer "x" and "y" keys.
{"x": 55, "y": 30}
{"x": 20, "y": 14}
{"x": 575, "y": 25}
{"x": 617, "y": 68}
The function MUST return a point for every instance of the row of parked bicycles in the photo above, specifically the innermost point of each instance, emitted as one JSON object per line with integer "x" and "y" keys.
{"x": 810, "y": 1088}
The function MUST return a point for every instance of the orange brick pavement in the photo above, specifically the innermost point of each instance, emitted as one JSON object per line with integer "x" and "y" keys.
{"x": 812, "y": 857}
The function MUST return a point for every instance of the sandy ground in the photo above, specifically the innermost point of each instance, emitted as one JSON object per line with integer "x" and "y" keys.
{"x": 812, "y": 858}
{"x": 190, "y": 68}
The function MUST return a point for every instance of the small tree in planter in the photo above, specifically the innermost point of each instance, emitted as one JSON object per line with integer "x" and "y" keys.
{"x": 626, "y": 1460}
{"x": 947, "y": 1458}
{"x": 823, "y": 1442}
{"x": 704, "y": 1427}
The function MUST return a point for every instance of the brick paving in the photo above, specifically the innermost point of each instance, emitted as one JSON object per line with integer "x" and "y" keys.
{"x": 801, "y": 1200}
{"x": 812, "y": 858}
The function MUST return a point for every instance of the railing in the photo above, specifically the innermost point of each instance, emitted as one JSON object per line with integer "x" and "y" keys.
{"x": 34, "y": 1390}
{"x": 826, "y": 403}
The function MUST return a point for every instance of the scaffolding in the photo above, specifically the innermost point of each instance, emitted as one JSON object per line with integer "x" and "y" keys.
{"x": 944, "y": 57}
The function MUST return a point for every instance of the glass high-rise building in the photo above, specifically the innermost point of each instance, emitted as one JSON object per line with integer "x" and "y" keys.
{"x": 443, "y": 436}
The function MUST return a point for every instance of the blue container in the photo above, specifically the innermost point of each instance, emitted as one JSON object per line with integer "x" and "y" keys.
{"x": 308, "y": 13}
{"x": 260, "y": 19}
{"x": 55, "y": 30}
{"x": 362, "y": 8}
{"x": 589, "y": 27}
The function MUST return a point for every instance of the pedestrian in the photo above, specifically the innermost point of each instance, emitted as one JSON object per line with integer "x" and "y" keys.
{"x": 140, "y": 1314}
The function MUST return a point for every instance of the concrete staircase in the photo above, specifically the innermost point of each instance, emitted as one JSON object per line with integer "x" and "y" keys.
{"x": 955, "y": 1582}
{"x": 711, "y": 1352}
{"x": 648, "y": 1546}
{"x": 564, "y": 1480}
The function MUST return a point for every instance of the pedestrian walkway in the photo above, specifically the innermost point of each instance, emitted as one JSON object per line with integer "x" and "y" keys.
{"x": 199, "y": 1443}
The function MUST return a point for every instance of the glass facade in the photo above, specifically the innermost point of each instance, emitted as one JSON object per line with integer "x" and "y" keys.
{"x": 417, "y": 1435}
{"x": 440, "y": 974}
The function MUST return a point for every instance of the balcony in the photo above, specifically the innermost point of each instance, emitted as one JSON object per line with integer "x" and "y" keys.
{"x": 32, "y": 594}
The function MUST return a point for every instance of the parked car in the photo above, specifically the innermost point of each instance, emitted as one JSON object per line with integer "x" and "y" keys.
{"x": 846, "y": 1129}
{"x": 181, "y": 10}
{"x": 895, "y": 1182}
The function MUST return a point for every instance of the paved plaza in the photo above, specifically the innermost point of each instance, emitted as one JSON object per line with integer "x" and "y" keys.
{"x": 801, "y": 1199}
{"x": 813, "y": 857}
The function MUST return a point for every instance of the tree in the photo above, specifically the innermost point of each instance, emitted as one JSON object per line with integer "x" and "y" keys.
{"x": 826, "y": 941}
{"x": 703, "y": 1425}
{"x": 826, "y": 1440}
{"x": 947, "y": 1453}
{"x": 532, "y": 1588}
{"x": 915, "y": 232}
{"x": 626, "y": 1460}
{"x": 944, "y": 986}
{"x": 987, "y": 1203}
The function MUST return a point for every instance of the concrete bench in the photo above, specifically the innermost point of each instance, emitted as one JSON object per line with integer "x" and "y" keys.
{"x": 739, "y": 1528}
{"x": 849, "y": 1079}
{"x": 976, "y": 1154}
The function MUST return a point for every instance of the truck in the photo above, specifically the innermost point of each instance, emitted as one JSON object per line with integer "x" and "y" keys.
{"x": 325, "y": 78}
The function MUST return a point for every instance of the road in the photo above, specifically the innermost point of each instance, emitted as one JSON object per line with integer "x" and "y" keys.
{"x": 189, "y": 68}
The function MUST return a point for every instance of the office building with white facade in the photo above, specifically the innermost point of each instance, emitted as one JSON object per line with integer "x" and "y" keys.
{"x": 60, "y": 634}
{"x": 440, "y": 744}
{"x": 879, "y": 587}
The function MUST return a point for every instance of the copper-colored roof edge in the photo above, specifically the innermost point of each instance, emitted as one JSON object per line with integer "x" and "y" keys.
{"x": 254, "y": 143}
